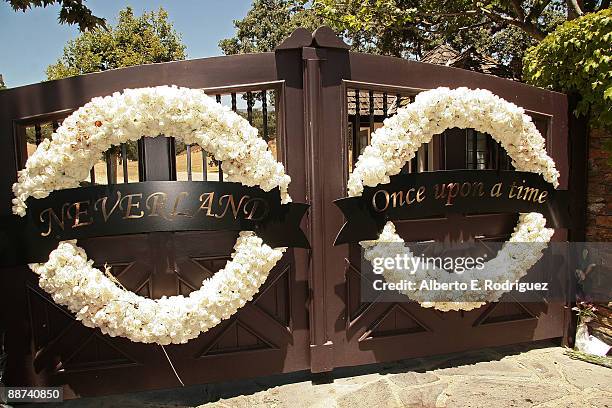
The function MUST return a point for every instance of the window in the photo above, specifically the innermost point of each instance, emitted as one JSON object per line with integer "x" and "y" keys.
{"x": 477, "y": 153}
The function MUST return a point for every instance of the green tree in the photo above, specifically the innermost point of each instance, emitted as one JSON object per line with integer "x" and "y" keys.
{"x": 257, "y": 122}
{"x": 71, "y": 12}
{"x": 2, "y": 85}
{"x": 147, "y": 39}
{"x": 134, "y": 40}
{"x": 267, "y": 23}
{"x": 502, "y": 29}
{"x": 577, "y": 59}
{"x": 410, "y": 28}
{"x": 435, "y": 17}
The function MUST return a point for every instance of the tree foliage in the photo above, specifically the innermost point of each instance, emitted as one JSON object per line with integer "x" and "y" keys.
{"x": 257, "y": 122}
{"x": 71, "y": 12}
{"x": 134, "y": 40}
{"x": 436, "y": 17}
{"x": 409, "y": 28}
{"x": 267, "y": 24}
{"x": 577, "y": 59}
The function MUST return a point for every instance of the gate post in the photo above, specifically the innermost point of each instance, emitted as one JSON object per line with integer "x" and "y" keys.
{"x": 321, "y": 346}
{"x": 578, "y": 139}
{"x": 324, "y": 62}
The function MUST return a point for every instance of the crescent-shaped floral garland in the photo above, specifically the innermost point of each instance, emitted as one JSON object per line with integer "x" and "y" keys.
{"x": 64, "y": 161}
{"x": 398, "y": 140}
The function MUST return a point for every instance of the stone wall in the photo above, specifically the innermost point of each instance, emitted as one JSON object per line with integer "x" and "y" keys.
{"x": 599, "y": 199}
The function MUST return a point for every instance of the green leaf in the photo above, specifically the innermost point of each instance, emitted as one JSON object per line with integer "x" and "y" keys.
{"x": 576, "y": 58}
{"x": 146, "y": 39}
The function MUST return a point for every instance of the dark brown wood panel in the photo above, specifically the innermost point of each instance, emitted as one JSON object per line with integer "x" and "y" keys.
{"x": 309, "y": 313}
{"x": 267, "y": 336}
{"x": 361, "y": 333}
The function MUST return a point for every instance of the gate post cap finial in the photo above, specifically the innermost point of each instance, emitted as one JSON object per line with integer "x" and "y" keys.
{"x": 324, "y": 36}
{"x": 299, "y": 38}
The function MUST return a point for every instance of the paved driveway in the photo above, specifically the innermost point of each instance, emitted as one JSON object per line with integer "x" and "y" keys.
{"x": 537, "y": 375}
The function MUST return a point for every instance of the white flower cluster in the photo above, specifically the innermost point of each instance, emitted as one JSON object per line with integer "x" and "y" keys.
{"x": 511, "y": 264}
{"x": 72, "y": 281}
{"x": 439, "y": 109}
{"x": 432, "y": 112}
{"x": 187, "y": 114}
{"x": 64, "y": 161}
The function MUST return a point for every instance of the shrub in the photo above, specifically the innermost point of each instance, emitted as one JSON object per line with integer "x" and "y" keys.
{"x": 577, "y": 59}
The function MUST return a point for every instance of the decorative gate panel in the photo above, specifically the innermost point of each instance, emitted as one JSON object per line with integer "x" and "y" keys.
{"x": 317, "y": 104}
{"x": 357, "y": 91}
{"x": 267, "y": 336}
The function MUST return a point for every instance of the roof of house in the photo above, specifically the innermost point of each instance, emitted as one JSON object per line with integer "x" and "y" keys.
{"x": 444, "y": 54}
{"x": 441, "y": 55}
{"x": 469, "y": 59}
{"x": 379, "y": 103}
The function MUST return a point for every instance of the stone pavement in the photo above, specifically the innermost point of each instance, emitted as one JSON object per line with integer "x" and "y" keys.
{"x": 542, "y": 377}
{"x": 536, "y": 375}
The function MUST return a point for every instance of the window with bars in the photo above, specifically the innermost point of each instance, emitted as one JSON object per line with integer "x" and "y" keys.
{"x": 258, "y": 107}
{"x": 367, "y": 110}
{"x": 483, "y": 152}
{"x": 476, "y": 150}
{"x": 454, "y": 149}
{"x": 120, "y": 164}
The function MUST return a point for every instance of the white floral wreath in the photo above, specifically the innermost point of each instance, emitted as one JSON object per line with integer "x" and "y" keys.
{"x": 195, "y": 118}
{"x": 397, "y": 141}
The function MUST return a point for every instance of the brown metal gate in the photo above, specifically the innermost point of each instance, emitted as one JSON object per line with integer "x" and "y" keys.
{"x": 308, "y": 315}
{"x": 353, "y": 332}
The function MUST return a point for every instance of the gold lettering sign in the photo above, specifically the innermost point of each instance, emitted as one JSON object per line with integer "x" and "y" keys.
{"x": 134, "y": 206}
{"x": 131, "y": 204}
{"x": 454, "y": 193}
{"x": 179, "y": 198}
{"x": 397, "y": 199}
{"x": 105, "y": 212}
{"x": 156, "y": 204}
{"x": 52, "y": 217}
{"x": 256, "y": 209}
{"x": 81, "y": 208}
{"x": 229, "y": 200}
{"x": 437, "y": 194}
{"x": 152, "y": 207}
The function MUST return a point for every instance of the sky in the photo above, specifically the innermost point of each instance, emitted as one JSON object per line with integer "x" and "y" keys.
{"x": 33, "y": 40}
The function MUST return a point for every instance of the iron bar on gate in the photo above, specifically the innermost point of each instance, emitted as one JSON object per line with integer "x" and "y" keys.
{"x": 124, "y": 162}
{"x": 264, "y": 113}
{"x": 188, "y": 150}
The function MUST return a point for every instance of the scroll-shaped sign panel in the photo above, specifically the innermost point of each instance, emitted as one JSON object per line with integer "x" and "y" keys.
{"x": 151, "y": 206}
{"x": 429, "y": 194}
